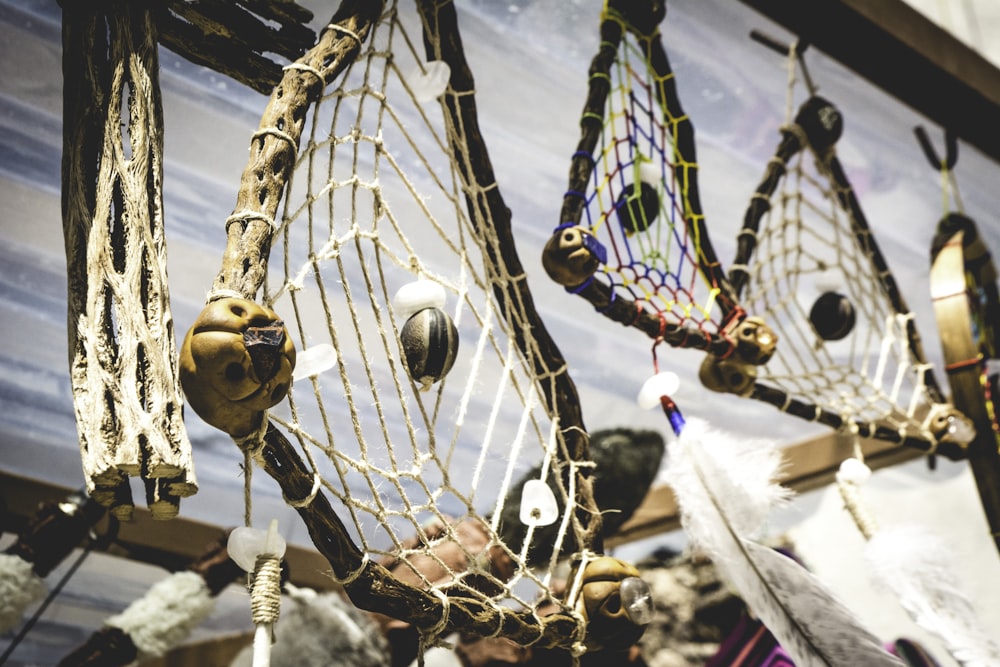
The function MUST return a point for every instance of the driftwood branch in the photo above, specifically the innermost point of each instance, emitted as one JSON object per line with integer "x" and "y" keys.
{"x": 275, "y": 146}
{"x": 233, "y": 38}
{"x": 371, "y": 587}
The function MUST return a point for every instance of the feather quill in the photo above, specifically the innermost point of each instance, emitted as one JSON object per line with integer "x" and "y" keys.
{"x": 725, "y": 489}
{"x": 917, "y": 566}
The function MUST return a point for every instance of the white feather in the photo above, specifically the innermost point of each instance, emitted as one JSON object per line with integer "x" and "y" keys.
{"x": 725, "y": 489}
{"x": 918, "y": 567}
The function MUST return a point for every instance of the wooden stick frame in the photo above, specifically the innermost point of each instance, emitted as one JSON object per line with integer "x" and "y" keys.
{"x": 369, "y": 585}
{"x": 643, "y": 24}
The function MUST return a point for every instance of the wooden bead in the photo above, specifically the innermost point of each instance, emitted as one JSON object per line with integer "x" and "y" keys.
{"x": 636, "y": 211}
{"x": 236, "y": 362}
{"x": 732, "y": 375}
{"x": 832, "y": 316}
{"x": 429, "y": 341}
{"x": 609, "y": 625}
{"x": 755, "y": 340}
{"x": 821, "y": 122}
{"x": 568, "y": 256}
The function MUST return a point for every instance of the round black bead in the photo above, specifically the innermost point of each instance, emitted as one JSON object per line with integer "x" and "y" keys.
{"x": 637, "y": 210}
{"x": 821, "y": 122}
{"x": 430, "y": 343}
{"x": 832, "y": 316}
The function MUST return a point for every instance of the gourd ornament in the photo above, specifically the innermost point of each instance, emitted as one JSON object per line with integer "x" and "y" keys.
{"x": 235, "y": 363}
{"x": 615, "y": 602}
{"x": 428, "y": 338}
{"x": 572, "y": 255}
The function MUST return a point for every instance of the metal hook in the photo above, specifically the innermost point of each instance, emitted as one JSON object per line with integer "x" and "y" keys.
{"x": 951, "y": 149}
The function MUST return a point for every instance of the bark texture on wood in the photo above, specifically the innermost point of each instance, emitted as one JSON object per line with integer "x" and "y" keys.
{"x": 123, "y": 361}
{"x": 275, "y": 146}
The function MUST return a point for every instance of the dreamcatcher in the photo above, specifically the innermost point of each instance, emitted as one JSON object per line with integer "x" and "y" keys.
{"x": 632, "y": 238}
{"x": 807, "y": 261}
{"x": 850, "y": 355}
{"x": 908, "y": 559}
{"x": 424, "y": 381}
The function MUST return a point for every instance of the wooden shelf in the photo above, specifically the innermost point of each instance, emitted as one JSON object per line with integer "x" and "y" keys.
{"x": 809, "y": 465}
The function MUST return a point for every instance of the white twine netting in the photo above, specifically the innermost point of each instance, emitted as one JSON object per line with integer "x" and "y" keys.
{"x": 375, "y": 203}
{"x": 806, "y": 246}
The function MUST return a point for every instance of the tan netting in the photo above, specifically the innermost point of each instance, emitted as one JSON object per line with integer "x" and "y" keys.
{"x": 122, "y": 351}
{"x": 848, "y": 354}
{"x": 391, "y": 184}
{"x": 374, "y": 204}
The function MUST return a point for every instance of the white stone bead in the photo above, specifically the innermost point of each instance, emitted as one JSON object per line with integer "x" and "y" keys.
{"x": 538, "y": 504}
{"x": 650, "y": 172}
{"x": 854, "y": 471}
{"x": 414, "y": 297}
{"x": 431, "y": 82}
{"x": 637, "y": 600}
{"x": 246, "y": 543}
{"x": 661, "y": 384}
{"x": 960, "y": 430}
{"x": 829, "y": 281}
{"x": 314, "y": 360}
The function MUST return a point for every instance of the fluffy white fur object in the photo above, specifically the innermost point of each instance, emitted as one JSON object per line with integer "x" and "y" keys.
{"x": 919, "y": 567}
{"x": 165, "y": 616}
{"x": 19, "y": 587}
{"x": 319, "y": 630}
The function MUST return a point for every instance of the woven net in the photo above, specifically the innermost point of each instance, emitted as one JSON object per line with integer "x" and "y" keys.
{"x": 634, "y": 189}
{"x": 385, "y": 191}
{"x": 849, "y": 354}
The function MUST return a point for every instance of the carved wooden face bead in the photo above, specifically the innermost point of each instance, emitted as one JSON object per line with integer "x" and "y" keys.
{"x": 731, "y": 375}
{"x": 236, "y": 362}
{"x": 430, "y": 343}
{"x": 615, "y": 602}
{"x": 571, "y": 256}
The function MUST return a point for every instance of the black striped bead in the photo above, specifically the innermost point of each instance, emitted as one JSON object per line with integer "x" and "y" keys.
{"x": 430, "y": 343}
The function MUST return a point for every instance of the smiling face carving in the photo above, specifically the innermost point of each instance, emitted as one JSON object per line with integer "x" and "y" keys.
{"x": 236, "y": 362}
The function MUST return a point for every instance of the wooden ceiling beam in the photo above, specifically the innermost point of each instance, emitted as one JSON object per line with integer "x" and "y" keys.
{"x": 905, "y": 54}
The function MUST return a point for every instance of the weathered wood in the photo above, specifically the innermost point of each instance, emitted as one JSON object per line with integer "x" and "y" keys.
{"x": 491, "y": 218}
{"x": 273, "y": 150}
{"x": 371, "y": 587}
{"x": 121, "y": 342}
{"x": 108, "y": 647}
{"x": 232, "y": 38}
{"x": 59, "y": 527}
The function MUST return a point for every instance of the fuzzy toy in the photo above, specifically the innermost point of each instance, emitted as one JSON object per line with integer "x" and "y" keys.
{"x": 320, "y": 629}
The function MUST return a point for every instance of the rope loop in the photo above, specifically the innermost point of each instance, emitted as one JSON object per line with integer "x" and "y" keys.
{"x": 307, "y": 500}
{"x": 247, "y": 215}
